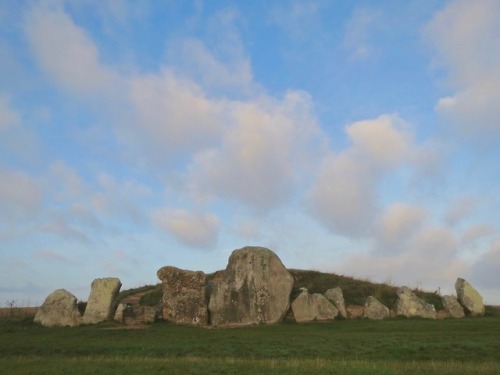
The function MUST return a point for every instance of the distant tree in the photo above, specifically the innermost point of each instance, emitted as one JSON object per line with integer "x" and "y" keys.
{"x": 11, "y": 304}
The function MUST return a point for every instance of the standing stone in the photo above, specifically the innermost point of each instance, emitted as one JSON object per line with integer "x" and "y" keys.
{"x": 254, "y": 289}
{"x": 59, "y": 309}
{"x": 120, "y": 312}
{"x": 309, "y": 307}
{"x": 336, "y": 297}
{"x": 469, "y": 298}
{"x": 374, "y": 309}
{"x": 184, "y": 296}
{"x": 149, "y": 314}
{"x": 100, "y": 306}
{"x": 410, "y": 305}
{"x": 453, "y": 307}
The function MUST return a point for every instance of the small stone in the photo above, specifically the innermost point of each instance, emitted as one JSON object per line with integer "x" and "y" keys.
{"x": 410, "y": 305}
{"x": 309, "y": 307}
{"x": 453, "y": 307}
{"x": 336, "y": 297}
{"x": 374, "y": 309}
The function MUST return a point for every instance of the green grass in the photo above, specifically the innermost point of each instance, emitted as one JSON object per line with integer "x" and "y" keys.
{"x": 129, "y": 292}
{"x": 392, "y": 346}
{"x": 153, "y": 297}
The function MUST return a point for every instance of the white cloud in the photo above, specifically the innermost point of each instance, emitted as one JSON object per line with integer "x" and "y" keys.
{"x": 460, "y": 209}
{"x": 193, "y": 229}
{"x": 398, "y": 224}
{"x": 267, "y": 145}
{"x": 194, "y": 59}
{"x": 344, "y": 195}
{"x": 383, "y": 142}
{"x": 426, "y": 259}
{"x": 295, "y": 16}
{"x": 465, "y": 36}
{"x": 9, "y": 118}
{"x": 359, "y": 29}
{"x": 65, "y": 51}
{"x": 173, "y": 115}
{"x": 473, "y": 235}
{"x": 484, "y": 273}
{"x": 20, "y": 195}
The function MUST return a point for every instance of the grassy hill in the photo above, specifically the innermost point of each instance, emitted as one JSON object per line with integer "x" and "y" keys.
{"x": 355, "y": 290}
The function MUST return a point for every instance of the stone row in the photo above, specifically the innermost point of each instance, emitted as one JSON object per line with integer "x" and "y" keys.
{"x": 254, "y": 288}
{"x": 60, "y": 307}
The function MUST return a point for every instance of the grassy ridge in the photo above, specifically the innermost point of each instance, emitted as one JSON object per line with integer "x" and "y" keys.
{"x": 355, "y": 291}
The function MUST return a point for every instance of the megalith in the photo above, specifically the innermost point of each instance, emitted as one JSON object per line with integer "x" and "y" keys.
{"x": 310, "y": 307}
{"x": 374, "y": 309}
{"x": 469, "y": 298}
{"x": 453, "y": 307}
{"x": 410, "y": 305}
{"x": 336, "y": 297}
{"x": 184, "y": 296}
{"x": 59, "y": 309}
{"x": 101, "y": 303}
{"x": 254, "y": 289}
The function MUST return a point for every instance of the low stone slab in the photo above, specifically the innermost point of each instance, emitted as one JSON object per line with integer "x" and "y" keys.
{"x": 310, "y": 307}
{"x": 101, "y": 304}
{"x": 453, "y": 307}
{"x": 59, "y": 309}
{"x": 410, "y": 305}
{"x": 374, "y": 309}
{"x": 336, "y": 297}
{"x": 469, "y": 298}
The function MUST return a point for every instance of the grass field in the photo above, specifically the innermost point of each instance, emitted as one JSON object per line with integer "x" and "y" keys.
{"x": 393, "y": 346}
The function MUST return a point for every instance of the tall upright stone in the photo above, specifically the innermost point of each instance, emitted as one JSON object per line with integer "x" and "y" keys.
{"x": 410, "y": 305}
{"x": 184, "y": 296}
{"x": 469, "y": 298}
{"x": 310, "y": 307}
{"x": 254, "y": 289}
{"x": 101, "y": 303}
{"x": 59, "y": 309}
{"x": 336, "y": 297}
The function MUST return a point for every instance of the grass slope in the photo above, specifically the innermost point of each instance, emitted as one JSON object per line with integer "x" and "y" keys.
{"x": 355, "y": 291}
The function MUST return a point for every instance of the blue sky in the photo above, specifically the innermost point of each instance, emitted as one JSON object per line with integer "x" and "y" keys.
{"x": 355, "y": 137}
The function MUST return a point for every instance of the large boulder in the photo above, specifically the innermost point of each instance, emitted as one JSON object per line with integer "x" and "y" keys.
{"x": 254, "y": 289}
{"x": 469, "y": 298}
{"x": 374, "y": 309}
{"x": 101, "y": 304}
{"x": 410, "y": 305}
{"x": 453, "y": 307}
{"x": 184, "y": 296}
{"x": 309, "y": 307}
{"x": 336, "y": 297}
{"x": 59, "y": 309}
